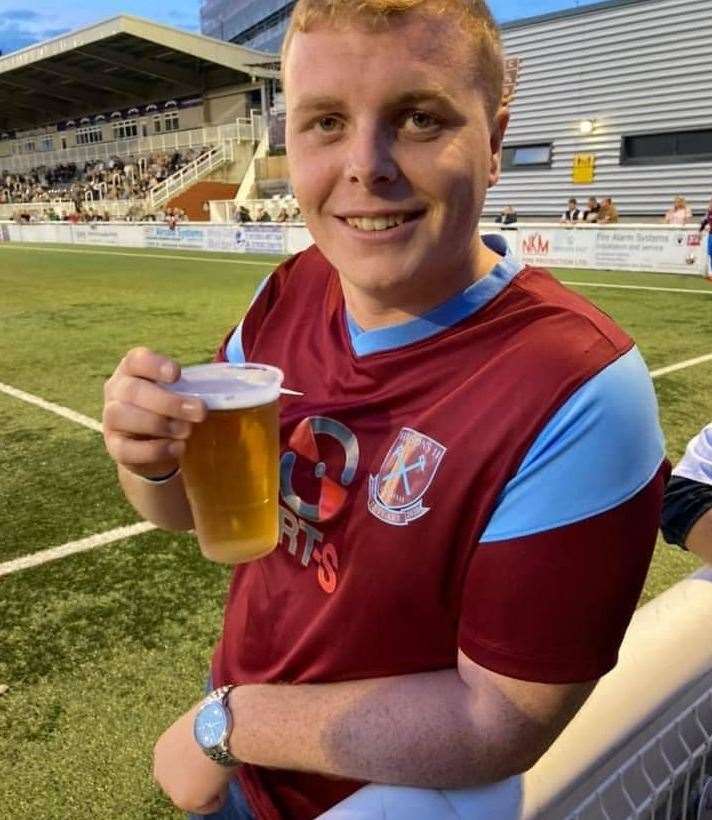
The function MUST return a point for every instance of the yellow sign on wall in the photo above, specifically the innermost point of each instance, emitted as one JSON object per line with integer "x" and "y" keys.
{"x": 583, "y": 169}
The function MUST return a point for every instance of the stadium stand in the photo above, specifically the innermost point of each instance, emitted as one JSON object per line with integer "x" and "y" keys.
{"x": 116, "y": 178}
{"x": 129, "y": 114}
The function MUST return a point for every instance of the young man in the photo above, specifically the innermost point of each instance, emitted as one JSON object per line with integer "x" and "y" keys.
{"x": 572, "y": 213}
{"x": 471, "y": 480}
{"x": 592, "y": 210}
{"x": 687, "y": 511}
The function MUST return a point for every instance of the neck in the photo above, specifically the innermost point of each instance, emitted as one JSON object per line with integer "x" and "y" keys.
{"x": 374, "y": 309}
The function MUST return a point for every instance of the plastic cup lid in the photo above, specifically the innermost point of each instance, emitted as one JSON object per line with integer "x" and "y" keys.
{"x": 230, "y": 386}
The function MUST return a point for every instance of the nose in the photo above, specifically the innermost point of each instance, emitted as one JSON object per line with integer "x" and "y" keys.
{"x": 370, "y": 159}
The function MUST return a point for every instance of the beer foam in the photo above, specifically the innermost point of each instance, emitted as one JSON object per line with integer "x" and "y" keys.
{"x": 230, "y": 386}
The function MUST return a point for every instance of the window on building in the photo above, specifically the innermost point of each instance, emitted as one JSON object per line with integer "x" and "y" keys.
{"x": 125, "y": 130}
{"x": 166, "y": 122}
{"x": 87, "y": 136}
{"x": 47, "y": 144}
{"x": 537, "y": 155}
{"x": 667, "y": 146}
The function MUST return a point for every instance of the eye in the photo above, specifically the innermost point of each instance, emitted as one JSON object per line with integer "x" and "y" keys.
{"x": 328, "y": 124}
{"x": 421, "y": 123}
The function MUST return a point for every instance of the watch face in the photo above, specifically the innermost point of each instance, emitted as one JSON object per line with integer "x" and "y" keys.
{"x": 210, "y": 725}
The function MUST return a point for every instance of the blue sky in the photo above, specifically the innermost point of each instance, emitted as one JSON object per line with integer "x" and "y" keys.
{"x": 22, "y": 23}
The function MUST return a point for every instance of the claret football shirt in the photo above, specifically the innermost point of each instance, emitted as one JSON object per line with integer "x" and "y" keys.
{"x": 487, "y": 476}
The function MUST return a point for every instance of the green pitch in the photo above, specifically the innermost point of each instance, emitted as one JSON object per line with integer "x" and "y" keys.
{"x": 103, "y": 650}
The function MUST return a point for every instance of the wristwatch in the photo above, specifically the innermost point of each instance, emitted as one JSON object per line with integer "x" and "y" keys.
{"x": 212, "y": 727}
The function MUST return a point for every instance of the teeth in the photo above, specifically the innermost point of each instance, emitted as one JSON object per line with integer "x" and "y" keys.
{"x": 379, "y": 223}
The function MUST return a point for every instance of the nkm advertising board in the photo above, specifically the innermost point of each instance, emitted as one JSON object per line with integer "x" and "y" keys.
{"x": 613, "y": 248}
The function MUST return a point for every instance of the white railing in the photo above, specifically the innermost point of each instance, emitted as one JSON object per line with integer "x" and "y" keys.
{"x": 38, "y": 209}
{"x": 116, "y": 208}
{"x": 248, "y": 181}
{"x": 190, "y": 174}
{"x": 244, "y": 129}
{"x": 226, "y": 210}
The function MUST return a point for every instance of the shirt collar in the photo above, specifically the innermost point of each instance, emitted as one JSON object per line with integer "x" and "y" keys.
{"x": 460, "y": 306}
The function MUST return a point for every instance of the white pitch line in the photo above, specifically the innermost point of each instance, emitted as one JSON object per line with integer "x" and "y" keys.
{"x": 680, "y": 365}
{"x": 637, "y": 287}
{"x": 180, "y": 258}
{"x": 65, "y": 412}
{"x": 53, "y": 553}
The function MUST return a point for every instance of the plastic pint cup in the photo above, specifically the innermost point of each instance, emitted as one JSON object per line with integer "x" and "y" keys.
{"x": 231, "y": 463}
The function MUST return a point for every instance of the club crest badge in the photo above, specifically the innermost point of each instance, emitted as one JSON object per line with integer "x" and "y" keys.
{"x": 395, "y": 494}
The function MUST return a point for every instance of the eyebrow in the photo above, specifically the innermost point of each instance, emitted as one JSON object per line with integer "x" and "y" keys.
{"x": 315, "y": 103}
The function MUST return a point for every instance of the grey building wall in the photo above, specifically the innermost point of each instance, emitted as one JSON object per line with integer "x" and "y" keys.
{"x": 633, "y": 67}
{"x": 258, "y": 24}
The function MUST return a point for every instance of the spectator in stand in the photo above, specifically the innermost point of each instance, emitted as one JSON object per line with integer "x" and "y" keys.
{"x": 507, "y": 217}
{"x": 593, "y": 209}
{"x": 679, "y": 214}
{"x": 608, "y": 214}
{"x": 572, "y": 213}
{"x": 97, "y": 180}
{"x": 244, "y": 214}
{"x": 706, "y": 224}
{"x": 282, "y": 215}
{"x": 261, "y": 215}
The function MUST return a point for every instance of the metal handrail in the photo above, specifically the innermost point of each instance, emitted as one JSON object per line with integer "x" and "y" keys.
{"x": 190, "y": 174}
{"x": 244, "y": 129}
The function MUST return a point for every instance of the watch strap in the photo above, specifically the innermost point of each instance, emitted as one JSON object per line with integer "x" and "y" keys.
{"x": 220, "y": 753}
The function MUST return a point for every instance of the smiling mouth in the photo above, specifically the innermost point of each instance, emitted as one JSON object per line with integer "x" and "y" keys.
{"x": 380, "y": 223}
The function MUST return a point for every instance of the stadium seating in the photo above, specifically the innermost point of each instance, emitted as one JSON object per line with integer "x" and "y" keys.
{"x": 113, "y": 179}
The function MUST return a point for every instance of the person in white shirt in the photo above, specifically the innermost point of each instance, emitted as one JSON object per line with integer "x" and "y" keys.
{"x": 687, "y": 510}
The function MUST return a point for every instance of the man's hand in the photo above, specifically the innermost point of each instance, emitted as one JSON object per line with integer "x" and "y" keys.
{"x": 188, "y": 777}
{"x": 145, "y": 425}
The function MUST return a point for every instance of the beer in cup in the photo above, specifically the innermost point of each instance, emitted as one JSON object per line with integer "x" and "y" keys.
{"x": 231, "y": 463}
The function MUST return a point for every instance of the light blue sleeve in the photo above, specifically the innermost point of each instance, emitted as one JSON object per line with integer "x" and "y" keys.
{"x": 598, "y": 450}
{"x": 234, "y": 350}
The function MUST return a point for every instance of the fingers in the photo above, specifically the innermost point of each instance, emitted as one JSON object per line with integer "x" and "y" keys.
{"x": 145, "y": 424}
{"x": 144, "y": 394}
{"x": 146, "y": 364}
{"x": 131, "y": 419}
{"x": 139, "y": 453}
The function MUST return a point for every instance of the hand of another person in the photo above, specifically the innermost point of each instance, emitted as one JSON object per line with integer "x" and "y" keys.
{"x": 192, "y": 781}
{"x": 145, "y": 425}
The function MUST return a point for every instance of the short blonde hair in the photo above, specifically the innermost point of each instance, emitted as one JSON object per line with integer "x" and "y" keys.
{"x": 473, "y": 16}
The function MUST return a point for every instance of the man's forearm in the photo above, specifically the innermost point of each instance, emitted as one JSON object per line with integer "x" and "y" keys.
{"x": 165, "y": 505}
{"x": 424, "y": 730}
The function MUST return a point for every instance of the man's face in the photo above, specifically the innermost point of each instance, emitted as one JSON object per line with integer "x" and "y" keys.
{"x": 592, "y": 202}
{"x": 390, "y": 149}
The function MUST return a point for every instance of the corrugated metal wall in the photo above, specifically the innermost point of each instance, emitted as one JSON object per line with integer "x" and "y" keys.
{"x": 636, "y": 67}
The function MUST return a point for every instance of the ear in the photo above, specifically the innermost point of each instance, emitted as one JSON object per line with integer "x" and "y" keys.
{"x": 499, "y": 126}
